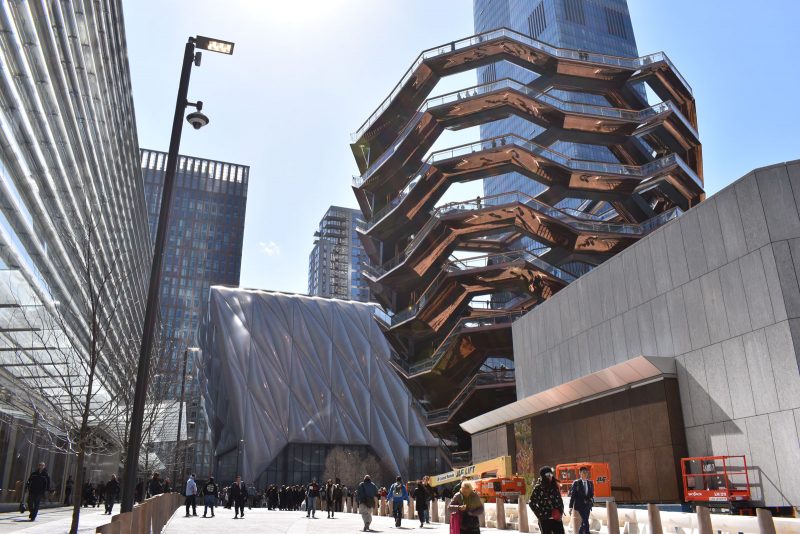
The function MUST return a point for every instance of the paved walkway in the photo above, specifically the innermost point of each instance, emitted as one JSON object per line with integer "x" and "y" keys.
{"x": 263, "y": 521}
{"x": 53, "y": 521}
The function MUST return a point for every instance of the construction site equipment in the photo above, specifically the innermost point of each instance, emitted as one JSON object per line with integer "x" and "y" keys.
{"x": 497, "y": 467}
{"x": 599, "y": 473}
{"x": 715, "y": 479}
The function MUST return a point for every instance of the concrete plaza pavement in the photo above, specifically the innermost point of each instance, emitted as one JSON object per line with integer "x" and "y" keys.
{"x": 54, "y": 521}
{"x": 263, "y": 521}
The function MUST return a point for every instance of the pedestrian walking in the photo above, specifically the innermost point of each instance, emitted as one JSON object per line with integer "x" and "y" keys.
{"x": 396, "y": 495}
{"x": 329, "y": 493}
{"x": 112, "y": 491}
{"x": 312, "y": 492}
{"x": 154, "y": 487}
{"x": 139, "y": 492}
{"x": 469, "y": 507}
{"x": 191, "y": 495}
{"x": 100, "y": 492}
{"x": 38, "y": 484}
{"x": 238, "y": 496}
{"x": 366, "y": 493}
{"x": 546, "y": 502}
{"x": 581, "y": 499}
{"x": 252, "y": 494}
{"x": 432, "y": 497}
{"x": 210, "y": 494}
{"x": 421, "y": 503}
{"x": 68, "y": 491}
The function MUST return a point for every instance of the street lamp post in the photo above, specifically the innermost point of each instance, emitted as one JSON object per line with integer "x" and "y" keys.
{"x": 197, "y": 120}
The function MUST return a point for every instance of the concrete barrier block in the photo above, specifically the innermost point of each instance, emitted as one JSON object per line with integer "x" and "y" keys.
{"x": 766, "y": 525}
{"x": 501, "y": 514}
{"x": 612, "y": 518}
{"x": 654, "y": 518}
{"x": 522, "y": 513}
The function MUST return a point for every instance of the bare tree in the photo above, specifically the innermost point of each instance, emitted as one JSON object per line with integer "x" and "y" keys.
{"x": 71, "y": 364}
{"x": 350, "y": 464}
{"x": 160, "y": 403}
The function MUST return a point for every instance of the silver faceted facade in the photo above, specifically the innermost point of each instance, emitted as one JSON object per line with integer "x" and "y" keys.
{"x": 279, "y": 368}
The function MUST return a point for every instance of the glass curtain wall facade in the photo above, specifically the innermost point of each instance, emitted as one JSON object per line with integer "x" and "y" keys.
{"x": 335, "y": 262}
{"x": 68, "y": 162}
{"x": 204, "y": 248}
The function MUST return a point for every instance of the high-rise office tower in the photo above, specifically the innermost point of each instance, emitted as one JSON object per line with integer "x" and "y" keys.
{"x": 336, "y": 261}
{"x": 602, "y": 26}
{"x": 598, "y": 169}
{"x": 69, "y": 181}
{"x": 204, "y": 248}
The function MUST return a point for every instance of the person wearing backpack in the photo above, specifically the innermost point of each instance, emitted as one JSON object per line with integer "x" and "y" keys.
{"x": 210, "y": 495}
{"x": 396, "y": 495}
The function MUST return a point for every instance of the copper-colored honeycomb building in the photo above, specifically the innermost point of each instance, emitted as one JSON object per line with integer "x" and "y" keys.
{"x": 454, "y": 277}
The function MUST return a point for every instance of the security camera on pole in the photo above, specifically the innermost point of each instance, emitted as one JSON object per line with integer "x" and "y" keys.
{"x": 197, "y": 119}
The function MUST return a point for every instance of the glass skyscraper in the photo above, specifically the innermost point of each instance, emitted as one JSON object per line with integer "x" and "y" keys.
{"x": 602, "y": 26}
{"x": 204, "y": 248}
{"x": 336, "y": 261}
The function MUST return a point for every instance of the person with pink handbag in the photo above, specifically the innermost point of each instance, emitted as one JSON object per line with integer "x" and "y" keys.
{"x": 465, "y": 509}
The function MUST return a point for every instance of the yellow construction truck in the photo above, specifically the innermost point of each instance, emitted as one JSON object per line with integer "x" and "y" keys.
{"x": 492, "y": 479}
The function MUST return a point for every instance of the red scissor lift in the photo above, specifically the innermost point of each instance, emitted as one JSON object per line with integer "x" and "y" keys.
{"x": 716, "y": 480}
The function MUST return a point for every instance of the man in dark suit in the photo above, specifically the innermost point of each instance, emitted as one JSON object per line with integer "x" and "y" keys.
{"x": 238, "y": 496}
{"x": 581, "y": 498}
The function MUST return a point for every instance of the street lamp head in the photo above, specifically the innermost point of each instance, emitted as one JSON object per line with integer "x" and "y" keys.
{"x": 214, "y": 45}
{"x": 197, "y": 119}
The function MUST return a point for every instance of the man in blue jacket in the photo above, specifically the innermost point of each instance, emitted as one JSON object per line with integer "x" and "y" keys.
{"x": 365, "y": 498}
{"x": 397, "y": 494}
{"x": 581, "y": 499}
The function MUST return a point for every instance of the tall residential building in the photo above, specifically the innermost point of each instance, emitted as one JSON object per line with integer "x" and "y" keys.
{"x": 336, "y": 262}
{"x": 602, "y": 26}
{"x": 204, "y": 248}
{"x": 455, "y": 276}
{"x": 68, "y": 166}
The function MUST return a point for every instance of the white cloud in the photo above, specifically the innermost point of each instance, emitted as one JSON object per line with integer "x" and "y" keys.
{"x": 269, "y": 248}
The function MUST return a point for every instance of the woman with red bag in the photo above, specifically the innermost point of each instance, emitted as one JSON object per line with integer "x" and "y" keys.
{"x": 465, "y": 508}
{"x": 547, "y": 504}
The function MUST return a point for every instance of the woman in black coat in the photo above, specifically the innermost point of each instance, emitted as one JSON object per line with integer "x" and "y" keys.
{"x": 421, "y": 503}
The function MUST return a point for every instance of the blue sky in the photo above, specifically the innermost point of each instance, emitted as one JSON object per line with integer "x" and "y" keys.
{"x": 305, "y": 74}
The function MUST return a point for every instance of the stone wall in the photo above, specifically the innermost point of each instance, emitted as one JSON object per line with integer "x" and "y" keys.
{"x": 718, "y": 290}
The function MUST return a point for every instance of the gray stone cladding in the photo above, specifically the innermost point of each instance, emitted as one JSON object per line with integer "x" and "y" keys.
{"x": 718, "y": 290}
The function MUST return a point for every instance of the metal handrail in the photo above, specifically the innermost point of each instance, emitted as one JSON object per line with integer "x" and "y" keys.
{"x": 464, "y": 324}
{"x": 443, "y": 414}
{"x": 639, "y": 116}
{"x": 523, "y": 198}
{"x": 634, "y": 64}
{"x": 467, "y": 264}
{"x": 615, "y": 169}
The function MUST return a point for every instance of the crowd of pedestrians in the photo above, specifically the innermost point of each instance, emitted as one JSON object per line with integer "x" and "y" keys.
{"x": 466, "y": 506}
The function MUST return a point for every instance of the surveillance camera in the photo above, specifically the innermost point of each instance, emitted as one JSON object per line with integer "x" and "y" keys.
{"x": 197, "y": 120}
